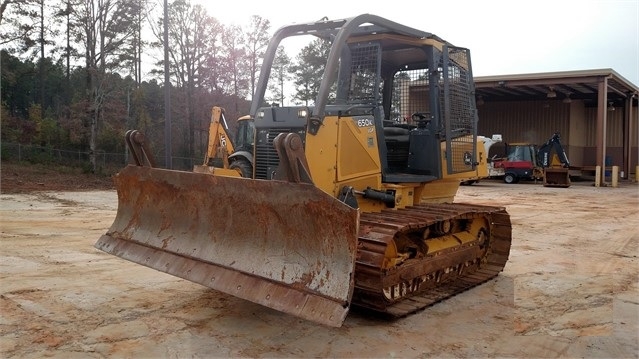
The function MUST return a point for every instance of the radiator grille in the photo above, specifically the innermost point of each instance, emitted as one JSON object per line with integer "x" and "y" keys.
{"x": 266, "y": 159}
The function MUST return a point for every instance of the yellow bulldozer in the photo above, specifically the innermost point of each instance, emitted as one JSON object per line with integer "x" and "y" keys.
{"x": 346, "y": 206}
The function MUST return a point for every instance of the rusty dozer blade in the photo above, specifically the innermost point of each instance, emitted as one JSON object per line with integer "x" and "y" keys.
{"x": 287, "y": 246}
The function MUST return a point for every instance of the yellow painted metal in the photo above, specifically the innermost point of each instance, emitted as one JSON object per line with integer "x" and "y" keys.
{"x": 442, "y": 243}
{"x": 481, "y": 168}
{"x": 555, "y": 161}
{"x": 352, "y": 161}
{"x": 355, "y": 162}
{"x": 357, "y": 150}
{"x": 220, "y": 144}
{"x": 438, "y": 191}
{"x": 439, "y": 244}
{"x": 458, "y": 237}
{"x": 404, "y": 193}
{"x": 615, "y": 176}
{"x": 217, "y": 171}
{"x": 321, "y": 154}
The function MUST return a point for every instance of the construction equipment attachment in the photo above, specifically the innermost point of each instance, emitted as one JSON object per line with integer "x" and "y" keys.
{"x": 285, "y": 245}
{"x": 556, "y": 177}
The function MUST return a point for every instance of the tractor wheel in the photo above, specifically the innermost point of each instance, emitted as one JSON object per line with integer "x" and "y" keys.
{"x": 510, "y": 178}
{"x": 242, "y": 166}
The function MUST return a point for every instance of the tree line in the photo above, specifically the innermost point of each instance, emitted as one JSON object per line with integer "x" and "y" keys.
{"x": 73, "y": 74}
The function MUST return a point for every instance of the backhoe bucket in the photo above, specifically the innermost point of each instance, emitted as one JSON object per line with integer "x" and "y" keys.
{"x": 556, "y": 177}
{"x": 287, "y": 246}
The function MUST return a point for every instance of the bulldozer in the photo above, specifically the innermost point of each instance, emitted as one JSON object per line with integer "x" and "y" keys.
{"x": 225, "y": 155}
{"x": 346, "y": 207}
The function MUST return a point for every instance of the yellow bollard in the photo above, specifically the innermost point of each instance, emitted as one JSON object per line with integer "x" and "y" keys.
{"x": 615, "y": 176}
{"x": 598, "y": 176}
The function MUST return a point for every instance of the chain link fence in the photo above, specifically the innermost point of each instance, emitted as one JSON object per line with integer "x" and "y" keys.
{"x": 105, "y": 161}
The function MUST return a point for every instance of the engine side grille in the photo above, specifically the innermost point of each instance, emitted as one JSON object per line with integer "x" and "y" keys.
{"x": 266, "y": 159}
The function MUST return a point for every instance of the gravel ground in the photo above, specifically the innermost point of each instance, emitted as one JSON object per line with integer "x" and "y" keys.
{"x": 570, "y": 289}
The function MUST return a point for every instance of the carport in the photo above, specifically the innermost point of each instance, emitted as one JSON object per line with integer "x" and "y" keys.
{"x": 595, "y": 110}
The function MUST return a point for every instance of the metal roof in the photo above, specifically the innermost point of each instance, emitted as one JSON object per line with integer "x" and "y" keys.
{"x": 576, "y": 85}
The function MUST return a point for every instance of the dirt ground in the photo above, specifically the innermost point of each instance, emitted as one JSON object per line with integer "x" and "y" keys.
{"x": 21, "y": 178}
{"x": 570, "y": 289}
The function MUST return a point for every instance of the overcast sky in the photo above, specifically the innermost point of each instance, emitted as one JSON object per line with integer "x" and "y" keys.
{"x": 504, "y": 36}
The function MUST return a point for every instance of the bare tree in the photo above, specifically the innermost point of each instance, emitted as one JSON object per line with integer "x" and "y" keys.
{"x": 104, "y": 26}
{"x": 28, "y": 30}
{"x": 279, "y": 76}
{"x": 257, "y": 38}
{"x": 235, "y": 77}
{"x": 131, "y": 57}
{"x": 45, "y": 37}
{"x": 18, "y": 23}
{"x": 64, "y": 12}
{"x": 309, "y": 69}
{"x": 192, "y": 43}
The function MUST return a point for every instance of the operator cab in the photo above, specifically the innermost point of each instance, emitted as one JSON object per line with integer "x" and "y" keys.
{"x": 404, "y": 84}
{"x": 411, "y": 89}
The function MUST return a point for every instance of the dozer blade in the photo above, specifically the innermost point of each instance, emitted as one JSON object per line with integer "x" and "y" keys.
{"x": 287, "y": 246}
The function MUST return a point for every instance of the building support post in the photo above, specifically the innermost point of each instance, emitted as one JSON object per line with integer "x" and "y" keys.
{"x": 602, "y": 109}
{"x": 627, "y": 128}
{"x": 631, "y": 123}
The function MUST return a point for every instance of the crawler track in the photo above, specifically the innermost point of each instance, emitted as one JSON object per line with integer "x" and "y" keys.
{"x": 422, "y": 282}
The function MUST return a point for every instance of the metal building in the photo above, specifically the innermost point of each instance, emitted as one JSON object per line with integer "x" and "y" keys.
{"x": 594, "y": 110}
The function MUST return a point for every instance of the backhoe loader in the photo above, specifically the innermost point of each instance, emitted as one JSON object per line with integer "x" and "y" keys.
{"x": 225, "y": 155}
{"x": 346, "y": 206}
{"x": 532, "y": 162}
{"x": 556, "y": 165}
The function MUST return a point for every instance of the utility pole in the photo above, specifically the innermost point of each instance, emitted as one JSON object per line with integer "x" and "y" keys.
{"x": 167, "y": 91}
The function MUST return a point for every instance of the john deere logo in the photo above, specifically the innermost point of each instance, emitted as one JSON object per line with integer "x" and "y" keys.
{"x": 468, "y": 158}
